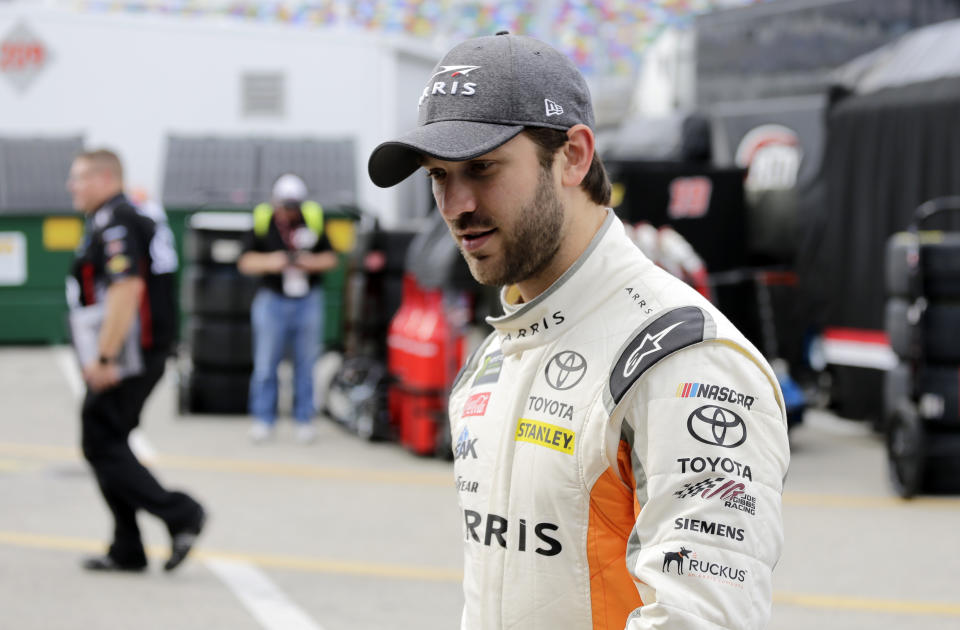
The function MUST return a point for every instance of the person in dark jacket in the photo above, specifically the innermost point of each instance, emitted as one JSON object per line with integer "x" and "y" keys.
{"x": 117, "y": 268}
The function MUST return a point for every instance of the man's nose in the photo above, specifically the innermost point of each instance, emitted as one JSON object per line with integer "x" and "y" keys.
{"x": 454, "y": 197}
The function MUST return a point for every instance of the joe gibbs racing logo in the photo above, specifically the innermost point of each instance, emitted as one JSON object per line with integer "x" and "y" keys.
{"x": 731, "y": 493}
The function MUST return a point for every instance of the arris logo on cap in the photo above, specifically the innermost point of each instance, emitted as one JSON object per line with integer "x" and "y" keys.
{"x": 456, "y": 70}
{"x": 444, "y": 88}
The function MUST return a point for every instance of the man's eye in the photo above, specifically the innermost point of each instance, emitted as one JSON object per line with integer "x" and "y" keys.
{"x": 436, "y": 173}
{"x": 480, "y": 167}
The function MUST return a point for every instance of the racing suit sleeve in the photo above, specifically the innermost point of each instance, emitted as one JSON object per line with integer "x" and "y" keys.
{"x": 709, "y": 455}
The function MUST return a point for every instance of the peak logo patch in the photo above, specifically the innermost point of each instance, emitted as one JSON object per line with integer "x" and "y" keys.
{"x": 466, "y": 446}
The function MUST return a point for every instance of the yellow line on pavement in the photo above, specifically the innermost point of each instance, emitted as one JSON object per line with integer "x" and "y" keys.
{"x": 441, "y": 574}
{"x": 867, "y": 605}
{"x": 56, "y": 543}
{"x": 284, "y": 469}
{"x": 275, "y": 561}
{"x": 39, "y": 451}
{"x": 281, "y": 469}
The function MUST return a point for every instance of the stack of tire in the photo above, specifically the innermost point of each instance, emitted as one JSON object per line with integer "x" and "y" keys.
{"x": 215, "y": 375}
{"x": 921, "y": 407}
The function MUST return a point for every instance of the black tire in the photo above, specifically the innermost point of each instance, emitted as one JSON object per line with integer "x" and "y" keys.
{"x": 939, "y": 273}
{"x": 847, "y": 386}
{"x": 906, "y": 451}
{"x": 218, "y": 292}
{"x": 902, "y": 334}
{"x": 940, "y": 323}
{"x": 218, "y": 343}
{"x": 933, "y": 339}
{"x": 938, "y": 395}
{"x": 897, "y": 387}
{"x": 213, "y": 247}
{"x": 206, "y": 391}
{"x": 942, "y": 474}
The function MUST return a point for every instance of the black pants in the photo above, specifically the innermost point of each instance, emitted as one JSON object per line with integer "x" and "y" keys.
{"x": 127, "y": 486}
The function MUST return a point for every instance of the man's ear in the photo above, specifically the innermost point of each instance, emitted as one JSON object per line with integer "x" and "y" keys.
{"x": 577, "y": 155}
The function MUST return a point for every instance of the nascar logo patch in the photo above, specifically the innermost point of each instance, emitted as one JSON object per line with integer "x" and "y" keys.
{"x": 714, "y": 392}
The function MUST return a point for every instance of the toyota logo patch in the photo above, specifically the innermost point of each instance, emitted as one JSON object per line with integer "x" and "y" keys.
{"x": 717, "y": 426}
{"x": 565, "y": 369}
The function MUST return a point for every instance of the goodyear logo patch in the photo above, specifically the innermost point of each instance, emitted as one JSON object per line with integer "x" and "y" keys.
{"x": 543, "y": 434}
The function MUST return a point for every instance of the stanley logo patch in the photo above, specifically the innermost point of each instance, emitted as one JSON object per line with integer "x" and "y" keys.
{"x": 548, "y": 435}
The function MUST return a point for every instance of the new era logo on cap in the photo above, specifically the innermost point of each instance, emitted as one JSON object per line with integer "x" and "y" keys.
{"x": 552, "y": 108}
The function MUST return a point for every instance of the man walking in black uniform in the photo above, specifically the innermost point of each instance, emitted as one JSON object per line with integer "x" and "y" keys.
{"x": 118, "y": 267}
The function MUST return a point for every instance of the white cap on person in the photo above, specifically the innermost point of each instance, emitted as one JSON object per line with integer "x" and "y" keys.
{"x": 289, "y": 187}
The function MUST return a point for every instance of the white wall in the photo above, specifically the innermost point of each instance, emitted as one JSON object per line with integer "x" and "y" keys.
{"x": 128, "y": 81}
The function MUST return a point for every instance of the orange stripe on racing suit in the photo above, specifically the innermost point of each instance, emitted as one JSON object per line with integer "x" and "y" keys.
{"x": 613, "y": 593}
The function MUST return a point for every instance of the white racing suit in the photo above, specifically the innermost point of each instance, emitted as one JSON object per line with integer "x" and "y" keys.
{"x": 620, "y": 450}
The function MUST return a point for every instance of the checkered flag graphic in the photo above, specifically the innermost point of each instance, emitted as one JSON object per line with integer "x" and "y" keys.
{"x": 690, "y": 489}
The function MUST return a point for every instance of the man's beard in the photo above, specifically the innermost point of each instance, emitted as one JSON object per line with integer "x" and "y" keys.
{"x": 531, "y": 243}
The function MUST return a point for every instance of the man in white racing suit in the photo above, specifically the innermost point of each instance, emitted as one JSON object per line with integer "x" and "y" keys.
{"x": 619, "y": 446}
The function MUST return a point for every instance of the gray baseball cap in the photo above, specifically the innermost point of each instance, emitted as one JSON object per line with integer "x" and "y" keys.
{"x": 482, "y": 94}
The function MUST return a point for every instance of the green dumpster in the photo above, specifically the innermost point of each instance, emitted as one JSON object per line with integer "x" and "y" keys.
{"x": 36, "y": 250}
{"x": 35, "y": 255}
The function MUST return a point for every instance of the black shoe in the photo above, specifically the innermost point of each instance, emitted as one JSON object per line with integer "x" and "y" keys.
{"x": 106, "y": 563}
{"x": 182, "y": 542}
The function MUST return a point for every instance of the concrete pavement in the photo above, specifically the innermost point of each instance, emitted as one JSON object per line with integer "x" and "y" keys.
{"x": 344, "y": 534}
